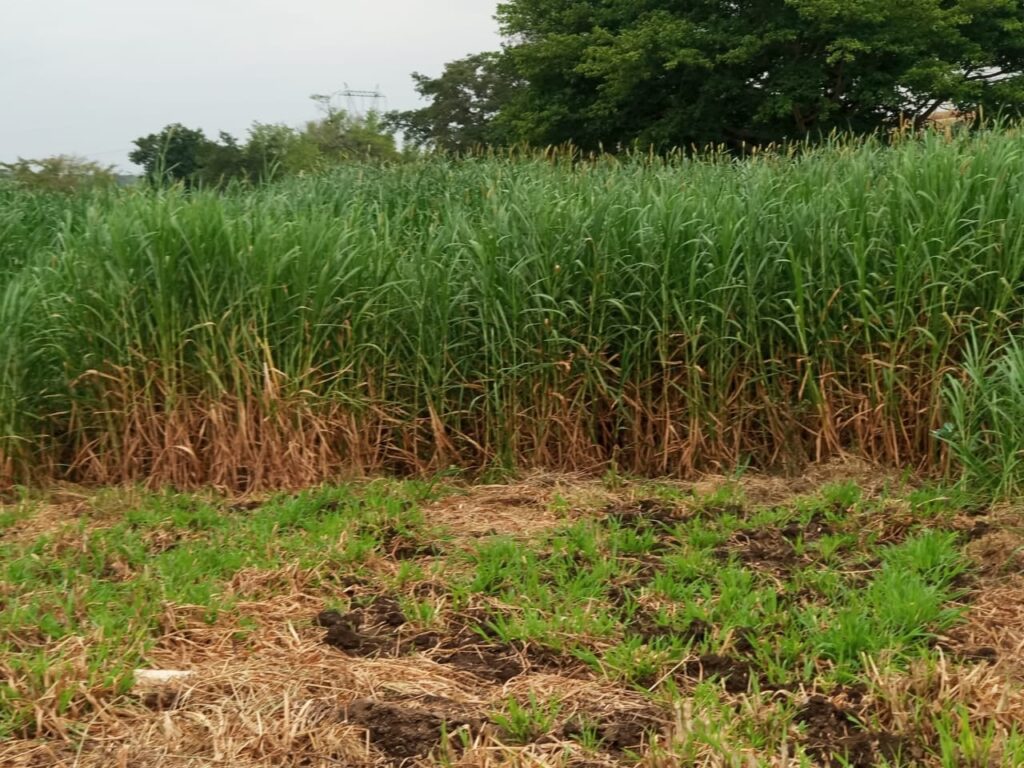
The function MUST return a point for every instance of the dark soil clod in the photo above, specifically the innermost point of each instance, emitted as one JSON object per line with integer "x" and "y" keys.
{"x": 976, "y": 530}
{"x": 427, "y": 589}
{"x": 984, "y": 653}
{"x": 343, "y": 630}
{"x": 424, "y": 642}
{"x": 384, "y": 612}
{"x": 834, "y": 737}
{"x": 404, "y": 733}
{"x": 699, "y": 630}
{"x": 814, "y": 530}
{"x": 734, "y": 673}
{"x": 382, "y": 617}
{"x": 329, "y": 619}
{"x": 626, "y": 733}
{"x": 343, "y": 636}
{"x": 402, "y": 548}
{"x": 486, "y": 663}
{"x": 766, "y": 548}
{"x": 623, "y": 735}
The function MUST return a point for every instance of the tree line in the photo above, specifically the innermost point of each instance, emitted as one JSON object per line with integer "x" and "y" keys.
{"x": 609, "y": 74}
{"x": 178, "y": 154}
{"x": 188, "y": 156}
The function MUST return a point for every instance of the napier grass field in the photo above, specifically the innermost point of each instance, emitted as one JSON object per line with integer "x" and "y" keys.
{"x": 521, "y": 461}
{"x": 695, "y": 315}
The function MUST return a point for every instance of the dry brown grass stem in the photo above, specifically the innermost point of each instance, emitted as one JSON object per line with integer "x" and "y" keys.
{"x": 279, "y": 436}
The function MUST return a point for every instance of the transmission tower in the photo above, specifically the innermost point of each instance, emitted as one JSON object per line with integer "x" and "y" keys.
{"x": 357, "y": 103}
{"x": 360, "y": 103}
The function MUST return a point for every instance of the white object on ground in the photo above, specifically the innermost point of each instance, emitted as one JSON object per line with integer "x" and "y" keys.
{"x": 149, "y": 678}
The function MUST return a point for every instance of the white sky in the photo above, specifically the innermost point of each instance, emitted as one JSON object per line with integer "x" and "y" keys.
{"x": 86, "y": 77}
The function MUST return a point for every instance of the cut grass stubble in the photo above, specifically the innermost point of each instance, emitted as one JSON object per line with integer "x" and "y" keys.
{"x": 653, "y": 627}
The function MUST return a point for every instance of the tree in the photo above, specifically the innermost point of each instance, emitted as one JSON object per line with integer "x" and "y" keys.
{"x": 221, "y": 161}
{"x": 671, "y": 73}
{"x": 276, "y": 150}
{"x": 465, "y": 102}
{"x": 186, "y": 155}
{"x": 340, "y": 137}
{"x": 173, "y": 154}
{"x": 61, "y": 173}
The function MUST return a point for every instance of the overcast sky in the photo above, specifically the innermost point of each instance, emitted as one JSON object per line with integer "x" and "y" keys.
{"x": 86, "y": 77}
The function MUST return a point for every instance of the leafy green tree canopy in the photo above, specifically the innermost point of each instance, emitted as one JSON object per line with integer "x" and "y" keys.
{"x": 670, "y": 73}
{"x": 275, "y": 150}
{"x": 464, "y": 104}
{"x": 61, "y": 173}
{"x": 341, "y": 137}
{"x": 173, "y": 154}
{"x": 186, "y": 155}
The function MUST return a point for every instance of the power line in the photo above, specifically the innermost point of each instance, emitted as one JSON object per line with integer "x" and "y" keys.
{"x": 356, "y": 100}
{"x": 358, "y": 103}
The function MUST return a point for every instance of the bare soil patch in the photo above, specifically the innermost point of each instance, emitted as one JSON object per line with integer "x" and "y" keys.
{"x": 734, "y": 673}
{"x": 382, "y": 631}
{"x": 403, "y": 733}
{"x": 835, "y": 737}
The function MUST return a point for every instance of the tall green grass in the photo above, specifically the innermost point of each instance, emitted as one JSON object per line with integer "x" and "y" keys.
{"x": 667, "y": 316}
{"x": 985, "y": 407}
